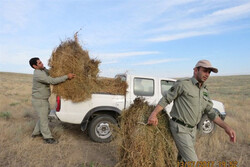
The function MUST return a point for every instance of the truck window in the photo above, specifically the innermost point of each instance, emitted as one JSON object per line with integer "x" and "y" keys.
{"x": 165, "y": 86}
{"x": 143, "y": 87}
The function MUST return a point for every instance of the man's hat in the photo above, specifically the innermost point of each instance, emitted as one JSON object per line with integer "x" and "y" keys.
{"x": 206, "y": 64}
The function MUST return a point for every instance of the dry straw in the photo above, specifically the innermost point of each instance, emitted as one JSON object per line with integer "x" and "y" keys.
{"x": 141, "y": 144}
{"x": 112, "y": 86}
{"x": 70, "y": 57}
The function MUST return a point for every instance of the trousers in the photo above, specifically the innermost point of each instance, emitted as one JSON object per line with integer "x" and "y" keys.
{"x": 184, "y": 138}
{"x": 42, "y": 108}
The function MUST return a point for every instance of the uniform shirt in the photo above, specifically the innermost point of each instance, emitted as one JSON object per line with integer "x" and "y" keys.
{"x": 41, "y": 83}
{"x": 190, "y": 101}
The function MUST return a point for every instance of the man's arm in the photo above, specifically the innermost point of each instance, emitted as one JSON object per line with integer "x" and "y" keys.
{"x": 231, "y": 133}
{"x": 43, "y": 78}
{"x": 153, "y": 120}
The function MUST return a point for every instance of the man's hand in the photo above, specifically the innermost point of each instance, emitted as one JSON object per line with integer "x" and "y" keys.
{"x": 71, "y": 76}
{"x": 231, "y": 133}
{"x": 153, "y": 120}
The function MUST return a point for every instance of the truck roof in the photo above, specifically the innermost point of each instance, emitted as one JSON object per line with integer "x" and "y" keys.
{"x": 143, "y": 76}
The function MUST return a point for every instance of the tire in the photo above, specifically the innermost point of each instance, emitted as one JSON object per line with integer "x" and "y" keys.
{"x": 99, "y": 129}
{"x": 206, "y": 126}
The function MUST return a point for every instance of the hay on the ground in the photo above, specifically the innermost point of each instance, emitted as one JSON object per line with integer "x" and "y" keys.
{"x": 70, "y": 57}
{"x": 141, "y": 144}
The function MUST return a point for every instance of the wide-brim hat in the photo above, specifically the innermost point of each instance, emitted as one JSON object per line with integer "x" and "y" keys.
{"x": 206, "y": 64}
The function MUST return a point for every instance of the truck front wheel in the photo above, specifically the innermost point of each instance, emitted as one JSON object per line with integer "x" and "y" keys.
{"x": 100, "y": 128}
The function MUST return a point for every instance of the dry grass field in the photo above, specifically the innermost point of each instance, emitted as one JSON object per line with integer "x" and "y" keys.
{"x": 17, "y": 120}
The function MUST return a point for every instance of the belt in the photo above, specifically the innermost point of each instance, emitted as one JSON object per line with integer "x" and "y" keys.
{"x": 182, "y": 123}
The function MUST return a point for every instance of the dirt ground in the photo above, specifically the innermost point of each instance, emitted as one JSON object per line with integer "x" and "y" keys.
{"x": 17, "y": 120}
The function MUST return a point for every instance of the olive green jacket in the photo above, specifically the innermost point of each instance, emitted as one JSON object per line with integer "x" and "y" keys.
{"x": 190, "y": 101}
{"x": 41, "y": 83}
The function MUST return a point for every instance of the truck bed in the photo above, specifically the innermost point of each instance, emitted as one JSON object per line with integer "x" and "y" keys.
{"x": 75, "y": 112}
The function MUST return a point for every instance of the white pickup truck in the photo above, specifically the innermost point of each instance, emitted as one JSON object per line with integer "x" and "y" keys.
{"x": 96, "y": 114}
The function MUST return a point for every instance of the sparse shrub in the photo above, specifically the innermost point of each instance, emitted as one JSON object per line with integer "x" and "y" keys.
{"x": 14, "y": 104}
{"x": 26, "y": 100}
{"x": 6, "y": 115}
{"x": 27, "y": 114}
{"x": 91, "y": 164}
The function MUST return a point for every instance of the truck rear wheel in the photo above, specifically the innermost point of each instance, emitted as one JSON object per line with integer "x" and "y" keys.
{"x": 206, "y": 126}
{"x": 100, "y": 128}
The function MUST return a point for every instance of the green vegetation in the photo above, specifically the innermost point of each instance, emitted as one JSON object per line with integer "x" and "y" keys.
{"x": 6, "y": 115}
{"x": 14, "y": 104}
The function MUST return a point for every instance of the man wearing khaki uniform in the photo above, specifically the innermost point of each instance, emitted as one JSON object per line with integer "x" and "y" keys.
{"x": 40, "y": 96}
{"x": 191, "y": 101}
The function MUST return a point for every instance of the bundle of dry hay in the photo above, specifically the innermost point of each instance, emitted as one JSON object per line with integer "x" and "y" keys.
{"x": 145, "y": 145}
{"x": 70, "y": 57}
{"x": 112, "y": 86}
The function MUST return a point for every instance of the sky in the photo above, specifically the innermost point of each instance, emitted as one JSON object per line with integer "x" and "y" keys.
{"x": 161, "y": 38}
